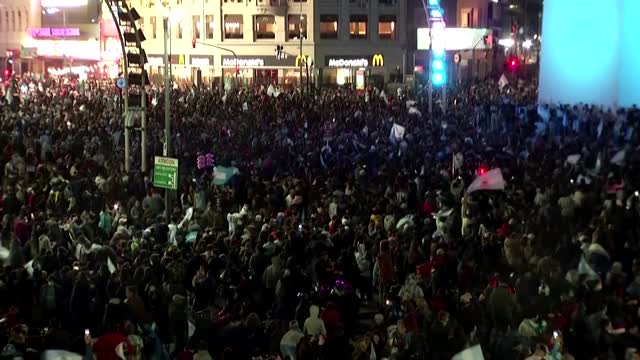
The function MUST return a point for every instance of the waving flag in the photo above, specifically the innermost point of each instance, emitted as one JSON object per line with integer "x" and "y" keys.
{"x": 491, "y": 180}
{"x": 222, "y": 174}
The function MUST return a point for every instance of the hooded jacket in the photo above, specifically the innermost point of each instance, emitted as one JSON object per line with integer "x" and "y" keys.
{"x": 272, "y": 274}
{"x": 314, "y": 325}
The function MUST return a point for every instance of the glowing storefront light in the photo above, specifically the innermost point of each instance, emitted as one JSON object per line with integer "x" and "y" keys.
{"x": 76, "y": 49}
{"x": 64, "y": 3}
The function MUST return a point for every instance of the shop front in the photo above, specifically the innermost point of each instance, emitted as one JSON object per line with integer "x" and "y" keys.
{"x": 264, "y": 70}
{"x": 179, "y": 68}
{"x": 202, "y": 69}
{"x": 352, "y": 71}
{"x": 75, "y": 51}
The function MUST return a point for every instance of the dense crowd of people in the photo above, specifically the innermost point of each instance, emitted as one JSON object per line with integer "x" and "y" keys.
{"x": 348, "y": 231}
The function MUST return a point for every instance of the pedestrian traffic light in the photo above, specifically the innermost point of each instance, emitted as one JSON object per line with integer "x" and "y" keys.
{"x": 209, "y": 160}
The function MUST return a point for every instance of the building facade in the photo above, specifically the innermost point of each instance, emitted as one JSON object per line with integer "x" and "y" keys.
{"x": 213, "y": 40}
{"x": 344, "y": 42}
{"x": 16, "y": 17}
{"x": 361, "y": 41}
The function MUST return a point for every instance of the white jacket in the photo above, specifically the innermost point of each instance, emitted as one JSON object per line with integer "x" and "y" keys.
{"x": 314, "y": 325}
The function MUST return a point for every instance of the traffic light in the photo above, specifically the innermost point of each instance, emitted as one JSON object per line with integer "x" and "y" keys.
{"x": 209, "y": 160}
{"x": 438, "y": 66}
{"x": 513, "y": 63}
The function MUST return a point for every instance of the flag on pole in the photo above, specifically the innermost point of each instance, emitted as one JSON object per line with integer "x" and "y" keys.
{"x": 111, "y": 266}
{"x": 619, "y": 157}
{"x": 503, "y": 81}
{"x": 472, "y": 353}
{"x": 491, "y": 180}
{"x": 223, "y": 174}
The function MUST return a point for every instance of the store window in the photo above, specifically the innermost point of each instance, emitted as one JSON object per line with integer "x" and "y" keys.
{"x": 233, "y": 27}
{"x": 265, "y": 27}
{"x": 209, "y": 26}
{"x": 152, "y": 22}
{"x": 196, "y": 27}
{"x": 387, "y": 27}
{"x": 297, "y": 25}
{"x": 358, "y": 26}
{"x": 328, "y": 26}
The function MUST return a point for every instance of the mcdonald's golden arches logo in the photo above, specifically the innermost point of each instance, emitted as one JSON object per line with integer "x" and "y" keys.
{"x": 302, "y": 60}
{"x": 378, "y": 60}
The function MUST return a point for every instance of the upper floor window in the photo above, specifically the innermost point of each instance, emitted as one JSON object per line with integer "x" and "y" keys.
{"x": 209, "y": 26}
{"x": 152, "y": 22}
{"x": 328, "y": 26}
{"x": 358, "y": 26}
{"x": 196, "y": 27}
{"x": 233, "y": 27}
{"x": 265, "y": 27}
{"x": 297, "y": 26}
{"x": 387, "y": 27}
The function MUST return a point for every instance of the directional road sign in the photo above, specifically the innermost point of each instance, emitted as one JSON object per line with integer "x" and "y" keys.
{"x": 165, "y": 173}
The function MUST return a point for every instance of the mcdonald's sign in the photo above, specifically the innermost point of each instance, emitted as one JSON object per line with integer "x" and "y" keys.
{"x": 301, "y": 60}
{"x": 377, "y": 60}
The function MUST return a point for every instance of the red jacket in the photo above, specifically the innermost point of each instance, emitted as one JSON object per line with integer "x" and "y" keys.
{"x": 105, "y": 346}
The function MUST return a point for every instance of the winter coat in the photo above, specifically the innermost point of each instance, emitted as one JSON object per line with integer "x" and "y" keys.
{"x": 313, "y": 325}
{"x": 272, "y": 274}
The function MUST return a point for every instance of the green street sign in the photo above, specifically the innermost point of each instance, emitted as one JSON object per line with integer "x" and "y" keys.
{"x": 165, "y": 173}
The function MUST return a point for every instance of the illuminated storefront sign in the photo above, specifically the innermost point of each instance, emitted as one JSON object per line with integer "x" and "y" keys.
{"x": 343, "y": 63}
{"x": 75, "y": 49}
{"x": 201, "y": 60}
{"x": 455, "y": 38}
{"x": 247, "y": 61}
{"x": 243, "y": 62}
{"x": 63, "y": 3}
{"x": 378, "y": 60}
{"x": 39, "y": 33}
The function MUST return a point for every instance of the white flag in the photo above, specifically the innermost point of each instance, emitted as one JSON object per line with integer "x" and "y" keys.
{"x": 619, "y": 157}
{"x": 491, "y": 180}
{"x": 573, "y": 159}
{"x": 112, "y": 268}
{"x": 472, "y": 353}
{"x": 29, "y": 267}
{"x": 397, "y": 133}
{"x": 503, "y": 81}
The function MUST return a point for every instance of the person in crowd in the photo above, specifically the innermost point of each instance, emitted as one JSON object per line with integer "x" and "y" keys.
{"x": 322, "y": 209}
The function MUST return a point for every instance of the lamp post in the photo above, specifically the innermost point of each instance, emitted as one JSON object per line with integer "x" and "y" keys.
{"x": 167, "y": 106}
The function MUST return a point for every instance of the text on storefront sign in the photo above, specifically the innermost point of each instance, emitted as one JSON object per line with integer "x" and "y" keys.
{"x": 243, "y": 62}
{"x": 54, "y": 32}
{"x": 348, "y": 62}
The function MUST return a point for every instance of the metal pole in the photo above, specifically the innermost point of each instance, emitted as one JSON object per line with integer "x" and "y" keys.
{"x": 300, "y": 35}
{"x": 125, "y": 91}
{"x": 167, "y": 108}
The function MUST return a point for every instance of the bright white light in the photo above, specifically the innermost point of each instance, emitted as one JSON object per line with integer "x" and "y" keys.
{"x": 434, "y": 2}
{"x": 51, "y": 11}
{"x": 64, "y": 3}
{"x": 495, "y": 1}
{"x": 508, "y": 42}
{"x": 436, "y": 13}
{"x": 527, "y": 44}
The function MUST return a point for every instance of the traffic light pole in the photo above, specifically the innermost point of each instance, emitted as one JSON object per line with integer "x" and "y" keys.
{"x": 125, "y": 93}
{"x": 167, "y": 110}
{"x": 235, "y": 56}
